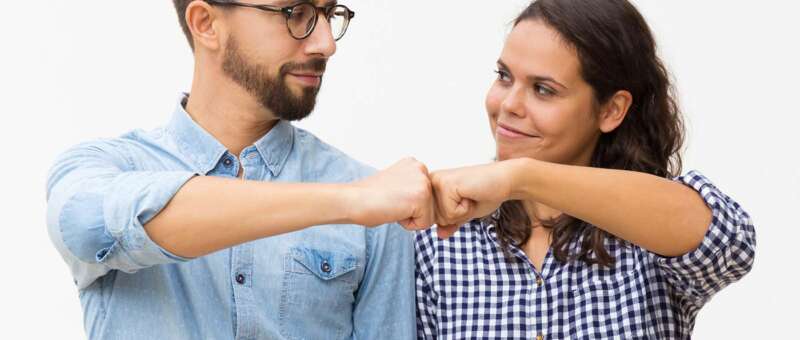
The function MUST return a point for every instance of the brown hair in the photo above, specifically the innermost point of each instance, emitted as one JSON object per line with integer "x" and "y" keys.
{"x": 617, "y": 51}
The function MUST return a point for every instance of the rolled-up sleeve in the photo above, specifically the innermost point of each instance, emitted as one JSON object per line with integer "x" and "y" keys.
{"x": 724, "y": 256}
{"x": 97, "y": 205}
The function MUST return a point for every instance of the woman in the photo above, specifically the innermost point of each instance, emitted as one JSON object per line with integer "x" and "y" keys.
{"x": 590, "y": 233}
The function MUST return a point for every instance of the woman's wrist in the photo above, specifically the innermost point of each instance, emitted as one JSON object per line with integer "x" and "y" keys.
{"x": 523, "y": 174}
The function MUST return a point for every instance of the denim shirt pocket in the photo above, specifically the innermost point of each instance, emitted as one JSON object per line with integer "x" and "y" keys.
{"x": 319, "y": 287}
{"x": 324, "y": 264}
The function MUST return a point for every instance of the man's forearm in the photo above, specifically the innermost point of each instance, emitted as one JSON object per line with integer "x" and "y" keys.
{"x": 210, "y": 213}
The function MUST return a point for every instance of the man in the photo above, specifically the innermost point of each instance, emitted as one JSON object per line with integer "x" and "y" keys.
{"x": 228, "y": 222}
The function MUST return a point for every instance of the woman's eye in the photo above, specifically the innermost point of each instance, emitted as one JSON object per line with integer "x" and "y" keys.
{"x": 543, "y": 90}
{"x": 502, "y": 75}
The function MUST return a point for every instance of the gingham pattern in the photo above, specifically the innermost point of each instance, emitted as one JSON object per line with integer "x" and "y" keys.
{"x": 466, "y": 289}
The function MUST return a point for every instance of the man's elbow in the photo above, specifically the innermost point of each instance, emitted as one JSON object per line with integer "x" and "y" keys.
{"x": 79, "y": 225}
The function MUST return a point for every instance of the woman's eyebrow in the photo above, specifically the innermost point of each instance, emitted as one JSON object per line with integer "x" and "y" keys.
{"x": 534, "y": 78}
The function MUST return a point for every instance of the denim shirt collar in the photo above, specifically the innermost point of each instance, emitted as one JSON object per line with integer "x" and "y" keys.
{"x": 205, "y": 151}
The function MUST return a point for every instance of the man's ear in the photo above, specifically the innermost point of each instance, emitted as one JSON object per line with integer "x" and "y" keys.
{"x": 613, "y": 112}
{"x": 202, "y": 19}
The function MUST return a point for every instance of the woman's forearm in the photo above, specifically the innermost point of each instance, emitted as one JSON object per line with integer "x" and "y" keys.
{"x": 663, "y": 216}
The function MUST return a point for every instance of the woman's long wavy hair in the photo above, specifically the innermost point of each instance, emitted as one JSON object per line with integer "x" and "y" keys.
{"x": 617, "y": 51}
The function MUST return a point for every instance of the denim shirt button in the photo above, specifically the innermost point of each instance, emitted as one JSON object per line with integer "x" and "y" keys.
{"x": 240, "y": 279}
{"x": 326, "y": 268}
{"x": 227, "y": 162}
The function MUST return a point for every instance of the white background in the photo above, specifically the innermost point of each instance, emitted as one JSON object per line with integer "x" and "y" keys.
{"x": 409, "y": 79}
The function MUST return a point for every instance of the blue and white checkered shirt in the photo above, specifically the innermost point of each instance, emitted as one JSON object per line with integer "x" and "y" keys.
{"x": 467, "y": 290}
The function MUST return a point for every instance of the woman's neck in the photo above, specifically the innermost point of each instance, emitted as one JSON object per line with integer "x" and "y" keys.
{"x": 539, "y": 213}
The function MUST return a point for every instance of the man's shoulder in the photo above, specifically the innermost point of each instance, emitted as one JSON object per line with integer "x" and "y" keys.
{"x": 328, "y": 158}
{"x": 121, "y": 148}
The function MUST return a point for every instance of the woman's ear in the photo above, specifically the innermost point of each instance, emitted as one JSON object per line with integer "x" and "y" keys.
{"x": 613, "y": 112}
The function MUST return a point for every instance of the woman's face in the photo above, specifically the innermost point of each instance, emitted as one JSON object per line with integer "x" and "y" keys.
{"x": 539, "y": 106}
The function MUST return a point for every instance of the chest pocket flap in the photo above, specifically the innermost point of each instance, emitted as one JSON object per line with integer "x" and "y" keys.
{"x": 325, "y": 264}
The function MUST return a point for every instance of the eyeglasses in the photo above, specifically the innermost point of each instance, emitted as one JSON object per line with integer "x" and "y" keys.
{"x": 301, "y": 18}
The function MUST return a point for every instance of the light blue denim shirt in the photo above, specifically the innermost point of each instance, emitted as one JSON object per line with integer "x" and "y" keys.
{"x": 324, "y": 282}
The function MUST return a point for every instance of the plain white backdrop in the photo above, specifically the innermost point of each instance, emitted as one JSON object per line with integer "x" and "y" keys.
{"x": 409, "y": 79}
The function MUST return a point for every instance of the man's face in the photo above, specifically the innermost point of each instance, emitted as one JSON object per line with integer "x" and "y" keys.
{"x": 280, "y": 72}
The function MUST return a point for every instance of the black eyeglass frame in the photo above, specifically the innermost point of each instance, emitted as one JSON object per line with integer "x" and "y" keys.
{"x": 289, "y": 10}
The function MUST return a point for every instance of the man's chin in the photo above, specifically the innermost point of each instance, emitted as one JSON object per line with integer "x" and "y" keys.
{"x": 296, "y": 117}
{"x": 306, "y": 95}
{"x": 294, "y": 113}
{"x": 297, "y": 91}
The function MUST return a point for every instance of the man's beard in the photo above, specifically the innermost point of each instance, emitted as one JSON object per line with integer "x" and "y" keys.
{"x": 272, "y": 91}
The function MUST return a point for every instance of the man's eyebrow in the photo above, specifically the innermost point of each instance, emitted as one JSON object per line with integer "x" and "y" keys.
{"x": 326, "y": 4}
{"x": 502, "y": 64}
{"x": 331, "y": 3}
{"x": 290, "y": 3}
{"x": 285, "y": 3}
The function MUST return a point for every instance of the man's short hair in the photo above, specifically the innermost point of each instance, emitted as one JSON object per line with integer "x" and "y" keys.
{"x": 180, "y": 7}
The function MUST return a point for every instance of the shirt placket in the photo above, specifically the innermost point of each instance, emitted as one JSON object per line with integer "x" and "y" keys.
{"x": 538, "y": 305}
{"x": 242, "y": 280}
{"x": 242, "y": 267}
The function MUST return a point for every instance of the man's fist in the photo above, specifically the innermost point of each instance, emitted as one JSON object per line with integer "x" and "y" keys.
{"x": 401, "y": 193}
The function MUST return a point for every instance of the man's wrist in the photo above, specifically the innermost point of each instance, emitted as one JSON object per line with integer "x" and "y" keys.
{"x": 346, "y": 203}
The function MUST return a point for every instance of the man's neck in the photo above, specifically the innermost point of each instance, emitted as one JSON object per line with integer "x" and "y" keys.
{"x": 228, "y": 112}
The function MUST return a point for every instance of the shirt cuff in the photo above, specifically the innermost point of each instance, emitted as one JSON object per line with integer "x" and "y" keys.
{"x": 730, "y": 229}
{"x": 133, "y": 200}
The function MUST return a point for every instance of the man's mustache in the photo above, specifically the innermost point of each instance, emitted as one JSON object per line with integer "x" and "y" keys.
{"x": 316, "y": 65}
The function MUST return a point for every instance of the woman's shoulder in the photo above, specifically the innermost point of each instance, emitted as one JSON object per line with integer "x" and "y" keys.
{"x": 431, "y": 251}
{"x": 471, "y": 233}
